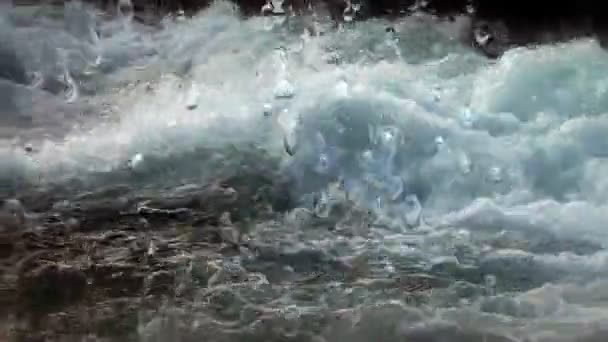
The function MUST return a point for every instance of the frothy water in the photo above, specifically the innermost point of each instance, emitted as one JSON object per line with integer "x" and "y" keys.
{"x": 486, "y": 173}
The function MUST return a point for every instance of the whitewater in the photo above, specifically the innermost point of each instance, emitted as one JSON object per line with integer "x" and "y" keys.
{"x": 422, "y": 156}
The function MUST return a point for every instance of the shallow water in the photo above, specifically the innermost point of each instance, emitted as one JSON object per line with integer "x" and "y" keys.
{"x": 485, "y": 174}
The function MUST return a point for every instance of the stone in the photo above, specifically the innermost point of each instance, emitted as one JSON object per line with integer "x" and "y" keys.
{"x": 51, "y": 286}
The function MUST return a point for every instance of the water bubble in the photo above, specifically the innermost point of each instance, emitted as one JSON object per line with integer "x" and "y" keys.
{"x": 125, "y": 9}
{"x": 490, "y": 282}
{"x": 136, "y": 161}
{"x": 413, "y": 211}
{"x": 467, "y": 117}
{"x": 495, "y": 174}
{"x": 268, "y": 8}
{"x": 341, "y": 88}
{"x": 267, "y": 109}
{"x": 284, "y": 90}
{"x": 482, "y": 37}
{"x": 37, "y": 80}
{"x": 367, "y": 159}
{"x": 387, "y": 136}
{"x": 71, "y": 91}
{"x": 181, "y": 15}
{"x": 395, "y": 187}
{"x": 439, "y": 141}
{"x": 378, "y": 203}
{"x": 464, "y": 162}
{"x": 322, "y": 205}
{"x": 192, "y": 97}
{"x": 340, "y": 128}
{"x": 323, "y": 163}
{"x": 152, "y": 248}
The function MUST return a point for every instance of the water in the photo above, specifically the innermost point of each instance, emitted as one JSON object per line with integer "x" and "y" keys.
{"x": 486, "y": 175}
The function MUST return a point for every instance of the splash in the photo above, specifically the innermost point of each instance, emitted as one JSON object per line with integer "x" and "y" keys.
{"x": 489, "y": 173}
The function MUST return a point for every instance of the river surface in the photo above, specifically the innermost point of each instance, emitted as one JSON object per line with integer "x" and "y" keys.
{"x": 484, "y": 178}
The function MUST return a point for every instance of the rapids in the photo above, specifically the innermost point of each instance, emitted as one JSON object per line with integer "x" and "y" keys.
{"x": 486, "y": 174}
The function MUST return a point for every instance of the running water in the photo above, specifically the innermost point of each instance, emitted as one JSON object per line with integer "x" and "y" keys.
{"x": 483, "y": 178}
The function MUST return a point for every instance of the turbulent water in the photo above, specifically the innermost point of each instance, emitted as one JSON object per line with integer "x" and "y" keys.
{"x": 485, "y": 174}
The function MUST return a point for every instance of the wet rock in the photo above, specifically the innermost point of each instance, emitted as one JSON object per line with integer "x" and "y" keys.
{"x": 517, "y": 271}
{"x": 117, "y": 280}
{"x": 203, "y": 270}
{"x": 443, "y": 332}
{"x": 160, "y": 282}
{"x": 225, "y": 304}
{"x": 52, "y": 285}
{"x": 228, "y": 273}
{"x": 12, "y": 216}
{"x": 7, "y": 245}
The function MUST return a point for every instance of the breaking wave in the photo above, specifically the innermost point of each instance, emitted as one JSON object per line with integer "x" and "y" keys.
{"x": 485, "y": 173}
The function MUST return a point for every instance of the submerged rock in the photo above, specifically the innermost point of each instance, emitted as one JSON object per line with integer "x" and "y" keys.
{"x": 12, "y": 216}
{"x": 52, "y": 285}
